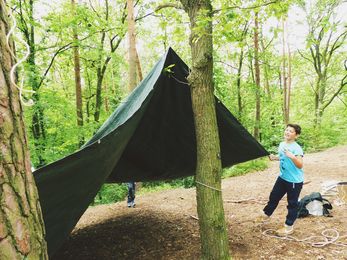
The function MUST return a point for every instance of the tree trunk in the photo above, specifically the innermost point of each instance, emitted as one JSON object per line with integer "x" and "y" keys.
{"x": 138, "y": 66}
{"x": 213, "y": 231}
{"x": 319, "y": 99}
{"x": 37, "y": 127}
{"x": 21, "y": 223}
{"x": 257, "y": 78}
{"x": 77, "y": 67}
{"x": 132, "y": 46}
{"x": 289, "y": 83}
{"x": 266, "y": 70}
{"x": 100, "y": 78}
{"x": 102, "y": 64}
{"x": 238, "y": 85}
{"x": 284, "y": 75}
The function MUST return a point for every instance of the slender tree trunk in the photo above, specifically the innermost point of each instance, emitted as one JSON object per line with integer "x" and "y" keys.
{"x": 289, "y": 85}
{"x": 21, "y": 223}
{"x": 99, "y": 81}
{"x": 102, "y": 64}
{"x": 213, "y": 231}
{"x": 100, "y": 72}
{"x": 319, "y": 99}
{"x": 238, "y": 85}
{"x": 132, "y": 46}
{"x": 284, "y": 75}
{"x": 257, "y": 78}
{"x": 37, "y": 127}
{"x": 266, "y": 73}
{"x": 78, "y": 85}
{"x": 107, "y": 105}
{"x": 138, "y": 66}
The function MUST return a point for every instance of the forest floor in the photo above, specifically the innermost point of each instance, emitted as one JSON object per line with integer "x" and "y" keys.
{"x": 163, "y": 224}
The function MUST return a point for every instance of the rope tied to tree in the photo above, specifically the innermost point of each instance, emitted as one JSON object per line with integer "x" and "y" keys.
{"x": 208, "y": 186}
{"x": 21, "y": 89}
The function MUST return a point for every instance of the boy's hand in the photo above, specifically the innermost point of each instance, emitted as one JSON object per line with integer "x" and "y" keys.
{"x": 289, "y": 154}
{"x": 273, "y": 157}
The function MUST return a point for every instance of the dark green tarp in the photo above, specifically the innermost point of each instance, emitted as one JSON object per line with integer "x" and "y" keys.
{"x": 150, "y": 136}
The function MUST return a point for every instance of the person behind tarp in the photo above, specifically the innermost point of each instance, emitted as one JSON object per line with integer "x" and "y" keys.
{"x": 131, "y": 194}
{"x": 290, "y": 179}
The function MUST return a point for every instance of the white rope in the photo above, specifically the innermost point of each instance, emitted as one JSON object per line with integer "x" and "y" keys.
{"x": 30, "y": 102}
{"x": 252, "y": 200}
{"x": 329, "y": 236}
{"x": 207, "y": 186}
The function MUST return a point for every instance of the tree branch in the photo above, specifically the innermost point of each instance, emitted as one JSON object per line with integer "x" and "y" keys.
{"x": 162, "y": 6}
{"x": 342, "y": 85}
{"x": 64, "y": 48}
{"x": 246, "y": 7}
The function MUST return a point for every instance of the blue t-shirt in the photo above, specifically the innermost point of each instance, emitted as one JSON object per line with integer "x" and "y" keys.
{"x": 288, "y": 170}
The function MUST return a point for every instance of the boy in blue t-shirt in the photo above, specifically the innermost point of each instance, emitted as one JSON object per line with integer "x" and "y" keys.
{"x": 290, "y": 179}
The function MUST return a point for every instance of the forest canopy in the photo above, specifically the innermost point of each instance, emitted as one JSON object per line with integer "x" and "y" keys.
{"x": 300, "y": 52}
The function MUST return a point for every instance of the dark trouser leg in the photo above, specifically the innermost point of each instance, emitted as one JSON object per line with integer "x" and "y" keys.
{"x": 276, "y": 195}
{"x": 293, "y": 192}
{"x": 131, "y": 191}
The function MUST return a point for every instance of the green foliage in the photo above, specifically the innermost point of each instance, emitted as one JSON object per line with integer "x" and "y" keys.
{"x": 186, "y": 182}
{"x": 167, "y": 70}
{"x": 246, "y": 167}
{"x": 110, "y": 193}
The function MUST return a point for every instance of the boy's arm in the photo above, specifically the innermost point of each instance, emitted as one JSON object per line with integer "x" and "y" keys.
{"x": 297, "y": 160}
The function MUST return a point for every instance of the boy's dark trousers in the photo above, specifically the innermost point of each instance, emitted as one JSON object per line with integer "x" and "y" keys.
{"x": 131, "y": 191}
{"x": 280, "y": 188}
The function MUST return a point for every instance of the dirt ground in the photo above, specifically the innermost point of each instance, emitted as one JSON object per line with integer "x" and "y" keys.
{"x": 162, "y": 226}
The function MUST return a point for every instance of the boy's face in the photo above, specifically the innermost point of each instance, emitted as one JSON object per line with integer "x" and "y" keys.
{"x": 290, "y": 134}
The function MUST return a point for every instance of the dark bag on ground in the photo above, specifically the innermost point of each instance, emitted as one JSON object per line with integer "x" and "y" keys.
{"x": 317, "y": 199}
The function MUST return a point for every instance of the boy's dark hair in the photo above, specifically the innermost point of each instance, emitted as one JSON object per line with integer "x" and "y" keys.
{"x": 296, "y": 127}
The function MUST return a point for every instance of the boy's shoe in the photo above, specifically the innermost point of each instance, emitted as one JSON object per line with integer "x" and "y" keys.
{"x": 286, "y": 230}
{"x": 263, "y": 218}
{"x": 131, "y": 204}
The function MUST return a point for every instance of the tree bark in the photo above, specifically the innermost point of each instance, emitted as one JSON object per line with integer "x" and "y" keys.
{"x": 257, "y": 78}
{"x": 21, "y": 223}
{"x": 213, "y": 231}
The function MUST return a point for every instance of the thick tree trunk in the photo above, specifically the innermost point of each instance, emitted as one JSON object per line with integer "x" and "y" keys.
{"x": 21, "y": 223}
{"x": 213, "y": 231}
{"x": 257, "y": 78}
